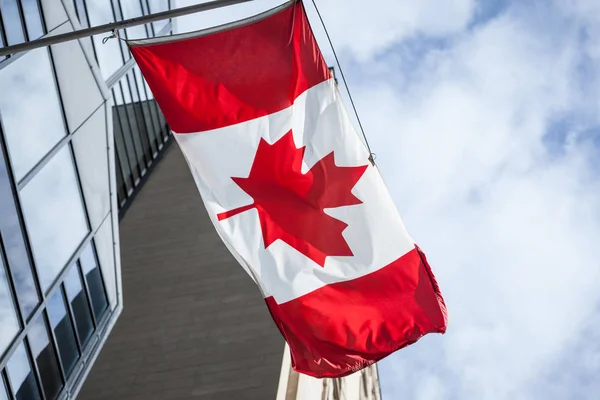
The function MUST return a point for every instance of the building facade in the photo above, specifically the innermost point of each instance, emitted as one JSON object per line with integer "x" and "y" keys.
{"x": 79, "y": 134}
{"x": 101, "y": 222}
{"x": 362, "y": 385}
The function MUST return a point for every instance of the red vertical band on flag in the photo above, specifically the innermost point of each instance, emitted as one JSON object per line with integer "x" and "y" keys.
{"x": 231, "y": 76}
{"x": 343, "y": 327}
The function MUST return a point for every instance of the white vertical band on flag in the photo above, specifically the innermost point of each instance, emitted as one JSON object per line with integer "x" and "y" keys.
{"x": 318, "y": 119}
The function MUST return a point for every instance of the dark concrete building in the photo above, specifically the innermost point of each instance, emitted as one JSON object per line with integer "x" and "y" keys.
{"x": 194, "y": 325}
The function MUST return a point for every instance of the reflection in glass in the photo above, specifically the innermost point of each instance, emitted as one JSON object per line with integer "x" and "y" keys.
{"x": 132, "y": 9}
{"x": 156, "y": 114}
{"x": 1, "y": 45}
{"x": 136, "y": 106}
{"x": 81, "y": 14}
{"x": 121, "y": 153}
{"x": 79, "y": 305}
{"x": 62, "y": 327}
{"x": 14, "y": 245}
{"x": 83, "y": 20}
{"x": 3, "y": 395}
{"x": 151, "y": 125}
{"x": 135, "y": 129}
{"x": 21, "y": 377}
{"x": 30, "y": 110}
{"x": 93, "y": 277}
{"x": 158, "y": 6}
{"x": 54, "y": 216}
{"x": 33, "y": 19}
{"x": 45, "y": 357}
{"x": 11, "y": 20}
{"x": 9, "y": 324}
{"x": 109, "y": 54}
{"x": 125, "y": 129}
{"x": 121, "y": 191}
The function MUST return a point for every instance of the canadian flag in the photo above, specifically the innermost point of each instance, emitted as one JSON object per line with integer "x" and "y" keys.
{"x": 289, "y": 187}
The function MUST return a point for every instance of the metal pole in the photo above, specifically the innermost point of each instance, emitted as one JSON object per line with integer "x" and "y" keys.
{"x": 78, "y": 34}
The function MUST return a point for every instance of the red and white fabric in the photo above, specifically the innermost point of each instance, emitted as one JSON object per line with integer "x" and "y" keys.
{"x": 288, "y": 185}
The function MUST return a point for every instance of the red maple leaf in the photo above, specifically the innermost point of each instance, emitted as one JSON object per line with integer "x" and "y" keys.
{"x": 290, "y": 204}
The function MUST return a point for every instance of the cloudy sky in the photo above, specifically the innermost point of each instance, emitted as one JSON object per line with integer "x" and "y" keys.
{"x": 484, "y": 116}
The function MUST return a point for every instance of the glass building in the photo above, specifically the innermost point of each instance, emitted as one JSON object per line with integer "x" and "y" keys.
{"x": 80, "y": 133}
{"x": 90, "y": 217}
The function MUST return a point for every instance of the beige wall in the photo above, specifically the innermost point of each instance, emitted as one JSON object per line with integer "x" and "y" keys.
{"x": 362, "y": 385}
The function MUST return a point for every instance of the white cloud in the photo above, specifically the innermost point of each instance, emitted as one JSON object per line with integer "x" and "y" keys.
{"x": 366, "y": 28}
{"x": 510, "y": 229}
{"x": 465, "y": 118}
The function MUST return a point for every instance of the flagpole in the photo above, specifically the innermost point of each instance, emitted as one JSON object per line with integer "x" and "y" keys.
{"x": 82, "y": 33}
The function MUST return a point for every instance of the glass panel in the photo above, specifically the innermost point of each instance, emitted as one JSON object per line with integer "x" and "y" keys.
{"x": 1, "y": 41}
{"x": 136, "y": 109}
{"x": 81, "y": 14}
{"x": 132, "y": 9}
{"x": 126, "y": 131}
{"x": 63, "y": 331}
{"x": 54, "y": 215}
{"x": 92, "y": 275}
{"x": 33, "y": 19}
{"x": 121, "y": 152}
{"x": 158, "y": 6}
{"x": 14, "y": 245}
{"x": 9, "y": 324}
{"x": 163, "y": 122}
{"x": 120, "y": 183}
{"x": 3, "y": 394}
{"x": 151, "y": 124}
{"x": 18, "y": 261}
{"x": 11, "y": 18}
{"x": 109, "y": 54}
{"x": 45, "y": 357}
{"x": 135, "y": 129}
{"x": 79, "y": 305}
{"x": 21, "y": 377}
{"x": 28, "y": 89}
{"x": 117, "y": 8}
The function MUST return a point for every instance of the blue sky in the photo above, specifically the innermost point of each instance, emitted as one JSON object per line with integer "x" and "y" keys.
{"x": 484, "y": 116}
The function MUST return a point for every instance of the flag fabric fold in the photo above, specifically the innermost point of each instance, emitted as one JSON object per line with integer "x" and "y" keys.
{"x": 288, "y": 185}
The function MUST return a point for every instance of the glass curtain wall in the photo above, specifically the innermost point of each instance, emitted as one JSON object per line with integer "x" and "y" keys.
{"x": 139, "y": 126}
{"x": 53, "y": 301}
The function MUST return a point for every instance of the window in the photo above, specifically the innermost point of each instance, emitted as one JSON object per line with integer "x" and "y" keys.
{"x": 61, "y": 325}
{"x": 108, "y": 55}
{"x": 93, "y": 279}
{"x": 124, "y": 129}
{"x": 9, "y": 324}
{"x": 3, "y": 395}
{"x": 21, "y": 377}
{"x": 22, "y": 20}
{"x": 28, "y": 87}
{"x": 1, "y": 57}
{"x": 136, "y": 108}
{"x": 135, "y": 129}
{"x": 45, "y": 358}
{"x": 11, "y": 19}
{"x": 54, "y": 216}
{"x": 121, "y": 189}
{"x": 81, "y": 13}
{"x": 152, "y": 130}
{"x": 79, "y": 305}
{"x": 151, "y": 116}
{"x": 132, "y": 9}
{"x": 157, "y": 6}
{"x": 33, "y": 19}
{"x": 13, "y": 243}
